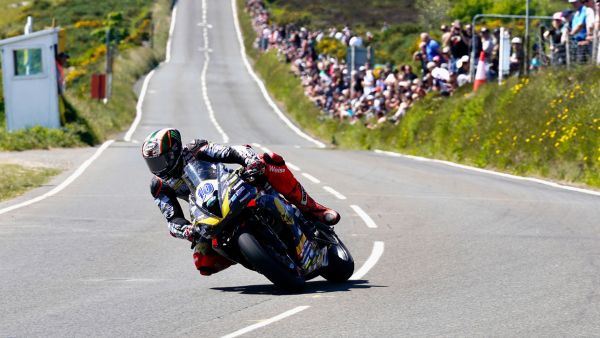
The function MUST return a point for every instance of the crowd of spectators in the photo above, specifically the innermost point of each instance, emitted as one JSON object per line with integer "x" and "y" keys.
{"x": 384, "y": 95}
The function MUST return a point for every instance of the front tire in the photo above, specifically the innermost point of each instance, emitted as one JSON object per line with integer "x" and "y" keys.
{"x": 341, "y": 263}
{"x": 264, "y": 263}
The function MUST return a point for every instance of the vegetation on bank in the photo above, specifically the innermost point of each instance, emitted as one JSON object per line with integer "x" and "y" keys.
{"x": 547, "y": 125}
{"x": 16, "y": 179}
{"x": 140, "y": 29}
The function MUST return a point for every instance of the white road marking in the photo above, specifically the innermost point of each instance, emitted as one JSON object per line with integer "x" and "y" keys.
{"x": 371, "y": 261}
{"x": 334, "y": 193}
{"x": 365, "y": 217}
{"x": 171, "y": 30}
{"x": 63, "y": 184}
{"x": 138, "y": 107}
{"x": 311, "y": 178}
{"x": 490, "y": 172}
{"x": 261, "y": 85}
{"x": 211, "y": 112}
{"x": 267, "y": 322}
{"x": 292, "y": 166}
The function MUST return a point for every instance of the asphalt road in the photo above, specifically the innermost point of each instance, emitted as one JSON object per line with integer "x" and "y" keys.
{"x": 465, "y": 253}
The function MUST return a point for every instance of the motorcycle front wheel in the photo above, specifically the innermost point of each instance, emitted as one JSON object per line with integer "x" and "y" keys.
{"x": 264, "y": 263}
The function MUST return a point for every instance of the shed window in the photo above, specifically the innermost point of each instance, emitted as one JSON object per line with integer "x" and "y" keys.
{"x": 28, "y": 61}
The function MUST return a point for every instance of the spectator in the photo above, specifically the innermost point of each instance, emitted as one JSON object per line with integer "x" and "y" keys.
{"x": 429, "y": 46}
{"x": 446, "y": 35}
{"x": 517, "y": 56}
{"x": 579, "y": 29}
{"x": 556, "y": 36}
{"x": 487, "y": 43}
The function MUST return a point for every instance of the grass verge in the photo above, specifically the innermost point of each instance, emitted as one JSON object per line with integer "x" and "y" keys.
{"x": 17, "y": 179}
{"x": 546, "y": 126}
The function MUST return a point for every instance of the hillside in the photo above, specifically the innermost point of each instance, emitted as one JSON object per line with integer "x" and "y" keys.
{"x": 547, "y": 125}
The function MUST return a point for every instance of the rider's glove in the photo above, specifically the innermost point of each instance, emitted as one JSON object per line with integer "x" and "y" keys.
{"x": 192, "y": 234}
{"x": 254, "y": 170}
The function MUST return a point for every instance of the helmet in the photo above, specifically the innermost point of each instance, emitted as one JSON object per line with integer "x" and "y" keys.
{"x": 162, "y": 152}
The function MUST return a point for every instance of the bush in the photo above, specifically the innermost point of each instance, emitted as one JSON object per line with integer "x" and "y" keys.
{"x": 332, "y": 47}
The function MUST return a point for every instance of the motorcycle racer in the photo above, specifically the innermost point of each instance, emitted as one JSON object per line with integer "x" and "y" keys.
{"x": 166, "y": 158}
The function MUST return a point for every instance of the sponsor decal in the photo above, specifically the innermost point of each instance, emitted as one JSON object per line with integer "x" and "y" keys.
{"x": 276, "y": 170}
{"x": 304, "y": 200}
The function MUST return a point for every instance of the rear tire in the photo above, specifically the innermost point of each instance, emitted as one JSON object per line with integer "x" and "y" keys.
{"x": 262, "y": 262}
{"x": 341, "y": 264}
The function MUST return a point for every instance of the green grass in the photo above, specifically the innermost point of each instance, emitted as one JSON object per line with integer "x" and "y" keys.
{"x": 143, "y": 28}
{"x": 355, "y": 13}
{"x": 519, "y": 127}
{"x": 17, "y": 179}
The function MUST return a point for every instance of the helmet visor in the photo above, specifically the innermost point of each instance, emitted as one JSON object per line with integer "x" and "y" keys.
{"x": 158, "y": 165}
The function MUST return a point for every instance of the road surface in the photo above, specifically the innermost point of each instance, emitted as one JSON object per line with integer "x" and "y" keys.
{"x": 464, "y": 253}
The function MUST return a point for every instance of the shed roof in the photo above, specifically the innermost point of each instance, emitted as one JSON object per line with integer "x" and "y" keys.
{"x": 29, "y": 36}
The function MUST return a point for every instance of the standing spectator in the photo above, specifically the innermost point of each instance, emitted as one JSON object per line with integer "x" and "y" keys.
{"x": 517, "y": 56}
{"x": 590, "y": 22}
{"x": 487, "y": 43}
{"x": 555, "y": 37}
{"x": 446, "y": 34}
{"x": 579, "y": 29}
{"x": 429, "y": 46}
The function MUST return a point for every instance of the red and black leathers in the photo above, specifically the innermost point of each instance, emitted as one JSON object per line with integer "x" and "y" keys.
{"x": 167, "y": 191}
{"x": 281, "y": 179}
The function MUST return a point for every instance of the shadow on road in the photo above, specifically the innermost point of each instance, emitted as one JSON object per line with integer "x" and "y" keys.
{"x": 310, "y": 287}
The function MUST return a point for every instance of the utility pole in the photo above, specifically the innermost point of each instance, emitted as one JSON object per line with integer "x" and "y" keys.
{"x": 109, "y": 65}
{"x": 526, "y": 39}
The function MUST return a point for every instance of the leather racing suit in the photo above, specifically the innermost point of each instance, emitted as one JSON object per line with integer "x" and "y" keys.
{"x": 277, "y": 174}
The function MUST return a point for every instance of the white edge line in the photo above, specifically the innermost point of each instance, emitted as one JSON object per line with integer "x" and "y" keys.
{"x": 293, "y": 166}
{"x": 261, "y": 85}
{"x": 490, "y": 172}
{"x": 207, "y": 102}
{"x": 311, "y": 178}
{"x": 376, "y": 253}
{"x": 365, "y": 217}
{"x": 138, "y": 107}
{"x": 64, "y": 183}
{"x": 267, "y": 321}
{"x": 334, "y": 192}
{"x": 171, "y": 30}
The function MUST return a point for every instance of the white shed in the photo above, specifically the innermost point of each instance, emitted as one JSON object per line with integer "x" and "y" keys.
{"x": 30, "y": 80}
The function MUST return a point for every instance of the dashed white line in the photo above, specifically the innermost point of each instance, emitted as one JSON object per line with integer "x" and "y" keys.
{"x": 371, "y": 261}
{"x": 334, "y": 193}
{"x": 211, "y": 112}
{"x": 292, "y": 166}
{"x": 261, "y": 85}
{"x": 267, "y": 322}
{"x": 311, "y": 178}
{"x": 138, "y": 107}
{"x": 171, "y": 30}
{"x": 65, "y": 183}
{"x": 490, "y": 172}
{"x": 365, "y": 217}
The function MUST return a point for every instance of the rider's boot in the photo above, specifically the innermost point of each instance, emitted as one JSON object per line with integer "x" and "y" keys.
{"x": 281, "y": 179}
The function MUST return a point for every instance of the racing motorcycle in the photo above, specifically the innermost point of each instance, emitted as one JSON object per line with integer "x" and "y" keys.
{"x": 287, "y": 250}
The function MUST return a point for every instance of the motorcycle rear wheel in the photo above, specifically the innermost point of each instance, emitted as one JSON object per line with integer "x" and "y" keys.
{"x": 271, "y": 268}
